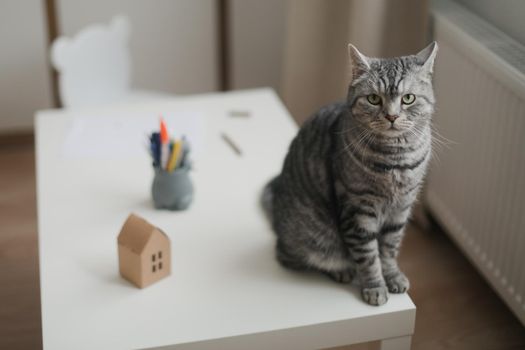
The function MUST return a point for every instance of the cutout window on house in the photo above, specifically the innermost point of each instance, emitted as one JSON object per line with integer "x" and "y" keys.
{"x": 160, "y": 255}
{"x": 153, "y": 258}
{"x": 160, "y": 266}
{"x": 154, "y": 268}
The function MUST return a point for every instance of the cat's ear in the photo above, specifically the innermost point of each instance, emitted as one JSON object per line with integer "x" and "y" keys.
{"x": 427, "y": 56}
{"x": 358, "y": 62}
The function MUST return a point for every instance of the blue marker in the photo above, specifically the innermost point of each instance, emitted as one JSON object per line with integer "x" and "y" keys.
{"x": 155, "y": 148}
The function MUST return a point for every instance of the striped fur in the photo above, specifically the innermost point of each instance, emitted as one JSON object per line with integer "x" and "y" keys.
{"x": 350, "y": 178}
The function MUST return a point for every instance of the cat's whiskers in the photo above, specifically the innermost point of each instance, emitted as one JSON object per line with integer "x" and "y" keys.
{"x": 445, "y": 142}
{"x": 345, "y": 131}
{"x": 360, "y": 146}
{"x": 433, "y": 153}
{"x": 357, "y": 146}
{"x": 418, "y": 133}
{"x": 437, "y": 141}
{"x": 353, "y": 143}
{"x": 369, "y": 141}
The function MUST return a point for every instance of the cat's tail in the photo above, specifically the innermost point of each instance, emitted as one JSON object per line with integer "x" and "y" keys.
{"x": 267, "y": 198}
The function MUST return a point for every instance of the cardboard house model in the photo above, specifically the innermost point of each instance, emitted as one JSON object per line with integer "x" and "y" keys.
{"x": 144, "y": 252}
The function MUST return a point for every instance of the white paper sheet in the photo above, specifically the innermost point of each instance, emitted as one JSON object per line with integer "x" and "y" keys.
{"x": 118, "y": 136}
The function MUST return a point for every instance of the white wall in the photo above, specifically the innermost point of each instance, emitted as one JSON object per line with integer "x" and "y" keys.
{"x": 174, "y": 47}
{"x": 173, "y": 42}
{"x": 24, "y": 76}
{"x": 506, "y": 15}
{"x": 257, "y": 34}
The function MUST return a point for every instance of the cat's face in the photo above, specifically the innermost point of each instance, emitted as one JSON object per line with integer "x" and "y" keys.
{"x": 392, "y": 96}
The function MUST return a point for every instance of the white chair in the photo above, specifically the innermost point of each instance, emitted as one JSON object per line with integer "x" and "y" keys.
{"x": 95, "y": 66}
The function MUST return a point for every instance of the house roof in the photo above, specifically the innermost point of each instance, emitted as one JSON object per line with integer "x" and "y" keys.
{"x": 136, "y": 233}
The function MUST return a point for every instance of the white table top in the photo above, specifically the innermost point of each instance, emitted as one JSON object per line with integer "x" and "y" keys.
{"x": 226, "y": 290}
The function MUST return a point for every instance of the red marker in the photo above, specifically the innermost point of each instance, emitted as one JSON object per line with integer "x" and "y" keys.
{"x": 165, "y": 144}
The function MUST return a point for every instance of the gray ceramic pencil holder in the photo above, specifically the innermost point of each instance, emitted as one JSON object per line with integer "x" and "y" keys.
{"x": 172, "y": 190}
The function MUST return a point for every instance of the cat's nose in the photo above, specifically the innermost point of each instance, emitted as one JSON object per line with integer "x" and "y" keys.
{"x": 391, "y": 118}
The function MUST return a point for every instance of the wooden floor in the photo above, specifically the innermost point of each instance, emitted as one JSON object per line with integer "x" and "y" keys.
{"x": 456, "y": 309}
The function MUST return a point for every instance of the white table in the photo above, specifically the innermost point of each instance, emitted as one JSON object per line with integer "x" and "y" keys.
{"x": 226, "y": 290}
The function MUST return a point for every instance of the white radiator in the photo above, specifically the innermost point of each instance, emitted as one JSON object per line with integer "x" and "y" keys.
{"x": 476, "y": 185}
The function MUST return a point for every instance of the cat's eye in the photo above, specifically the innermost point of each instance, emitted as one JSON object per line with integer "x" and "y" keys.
{"x": 408, "y": 99}
{"x": 373, "y": 99}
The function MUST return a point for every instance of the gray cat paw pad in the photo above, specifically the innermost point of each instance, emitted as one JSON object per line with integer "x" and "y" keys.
{"x": 375, "y": 296}
{"x": 398, "y": 283}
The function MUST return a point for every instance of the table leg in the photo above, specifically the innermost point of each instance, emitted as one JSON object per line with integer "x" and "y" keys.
{"x": 401, "y": 343}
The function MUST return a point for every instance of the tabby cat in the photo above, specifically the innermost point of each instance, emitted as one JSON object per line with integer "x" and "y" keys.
{"x": 351, "y": 175}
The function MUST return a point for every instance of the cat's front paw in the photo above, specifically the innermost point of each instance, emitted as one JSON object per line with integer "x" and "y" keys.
{"x": 397, "y": 283}
{"x": 375, "y": 296}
